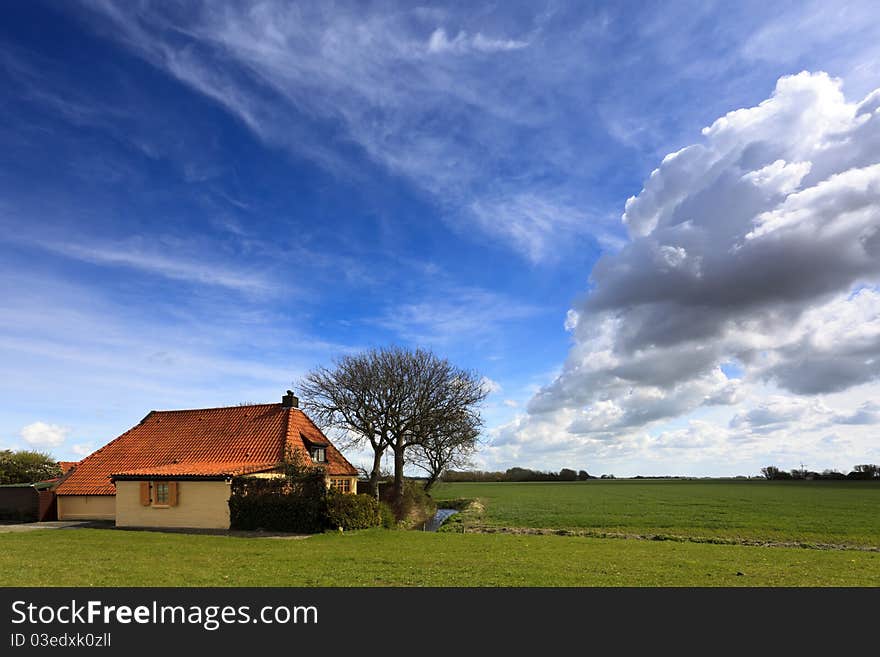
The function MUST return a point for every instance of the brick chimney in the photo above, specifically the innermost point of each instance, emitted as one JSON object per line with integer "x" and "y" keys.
{"x": 290, "y": 400}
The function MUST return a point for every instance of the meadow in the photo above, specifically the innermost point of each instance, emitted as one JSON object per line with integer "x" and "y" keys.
{"x": 689, "y": 514}
{"x": 377, "y": 557}
{"x": 820, "y": 512}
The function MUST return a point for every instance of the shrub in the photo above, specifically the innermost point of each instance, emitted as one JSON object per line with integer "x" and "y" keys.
{"x": 296, "y": 501}
{"x": 386, "y": 516}
{"x": 351, "y": 511}
{"x": 273, "y": 511}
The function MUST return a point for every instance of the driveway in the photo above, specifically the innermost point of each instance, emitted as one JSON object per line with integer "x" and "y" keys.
{"x": 56, "y": 524}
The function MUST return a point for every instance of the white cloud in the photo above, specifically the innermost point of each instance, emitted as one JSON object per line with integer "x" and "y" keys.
{"x": 753, "y": 245}
{"x": 438, "y": 112}
{"x": 453, "y": 314}
{"x": 489, "y": 386}
{"x": 169, "y": 258}
{"x": 758, "y": 245}
{"x": 82, "y": 449}
{"x": 43, "y": 435}
{"x": 191, "y": 270}
{"x": 464, "y": 43}
{"x": 531, "y": 223}
{"x": 867, "y": 413}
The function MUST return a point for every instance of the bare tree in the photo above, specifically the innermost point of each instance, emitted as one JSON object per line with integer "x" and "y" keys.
{"x": 449, "y": 446}
{"x": 392, "y": 398}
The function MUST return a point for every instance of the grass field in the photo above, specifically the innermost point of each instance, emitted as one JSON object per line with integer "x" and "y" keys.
{"x": 92, "y": 557}
{"x": 811, "y": 512}
{"x": 789, "y": 512}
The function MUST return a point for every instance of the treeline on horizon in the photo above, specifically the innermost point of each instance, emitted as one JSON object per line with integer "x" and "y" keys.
{"x": 519, "y": 474}
{"x": 864, "y": 472}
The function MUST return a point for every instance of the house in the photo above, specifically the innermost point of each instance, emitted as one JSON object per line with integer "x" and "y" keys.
{"x": 175, "y": 468}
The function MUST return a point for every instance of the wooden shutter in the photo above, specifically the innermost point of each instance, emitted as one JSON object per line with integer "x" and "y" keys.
{"x": 172, "y": 493}
{"x": 145, "y": 493}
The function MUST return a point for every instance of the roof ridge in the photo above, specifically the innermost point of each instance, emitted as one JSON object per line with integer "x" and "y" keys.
{"x": 213, "y": 408}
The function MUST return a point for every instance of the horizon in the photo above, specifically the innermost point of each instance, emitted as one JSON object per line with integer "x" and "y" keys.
{"x": 654, "y": 231}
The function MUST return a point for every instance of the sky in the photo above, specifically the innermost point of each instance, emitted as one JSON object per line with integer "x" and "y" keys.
{"x": 654, "y": 228}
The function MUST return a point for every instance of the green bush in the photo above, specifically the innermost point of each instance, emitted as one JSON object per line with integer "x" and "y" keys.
{"x": 298, "y": 501}
{"x": 293, "y": 502}
{"x": 351, "y": 511}
{"x": 273, "y": 511}
{"x": 386, "y": 516}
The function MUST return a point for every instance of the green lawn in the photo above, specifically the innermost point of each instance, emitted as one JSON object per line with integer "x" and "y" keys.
{"x": 812, "y": 512}
{"x": 804, "y": 512}
{"x": 93, "y": 557}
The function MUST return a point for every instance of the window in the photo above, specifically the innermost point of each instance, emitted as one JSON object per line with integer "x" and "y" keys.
{"x": 161, "y": 492}
{"x": 319, "y": 454}
{"x": 342, "y": 485}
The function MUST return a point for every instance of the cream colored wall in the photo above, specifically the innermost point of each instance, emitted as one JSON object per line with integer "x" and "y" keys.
{"x": 86, "y": 507}
{"x": 201, "y": 504}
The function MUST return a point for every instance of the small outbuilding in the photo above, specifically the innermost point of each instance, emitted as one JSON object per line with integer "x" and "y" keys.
{"x": 28, "y": 502}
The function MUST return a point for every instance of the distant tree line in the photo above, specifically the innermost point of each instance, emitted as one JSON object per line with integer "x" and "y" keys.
{"x": 864, "y": 472}
{"x": 517, "y": 474}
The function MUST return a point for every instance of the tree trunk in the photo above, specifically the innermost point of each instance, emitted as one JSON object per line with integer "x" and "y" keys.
{"x": 398, "y": 473}
{"x": 377, "y": 471}
{"x": 432, "y": 479}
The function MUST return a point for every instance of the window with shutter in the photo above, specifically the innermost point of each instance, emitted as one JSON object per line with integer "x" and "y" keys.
{"x": 145, "y": 493}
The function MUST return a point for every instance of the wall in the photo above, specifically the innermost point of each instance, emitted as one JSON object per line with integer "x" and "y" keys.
{"x": 86, "y": 507}
{"x": 48, "y": 508}
{"x": 200, "y": 504}
{"x": 18, "y": 503}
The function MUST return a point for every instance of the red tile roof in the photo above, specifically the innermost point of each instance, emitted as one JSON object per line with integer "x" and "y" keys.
{"x": 197, "y": 469}
{"x": 235, "y": 438}
{"x": 66, "y": 465}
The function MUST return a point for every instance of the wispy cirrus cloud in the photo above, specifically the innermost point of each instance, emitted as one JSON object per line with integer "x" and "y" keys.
{"x": 435, "y": 105}
{"x": 454, "y": 315}
{"x": 463, "y": 43}
{"x": 178, "y": 262}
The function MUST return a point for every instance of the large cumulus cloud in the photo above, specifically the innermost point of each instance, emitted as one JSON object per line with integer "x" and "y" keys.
{"x": 758, "y": 248}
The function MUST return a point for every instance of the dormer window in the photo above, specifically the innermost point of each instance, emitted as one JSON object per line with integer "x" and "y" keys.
{"x": 319, "y": 454}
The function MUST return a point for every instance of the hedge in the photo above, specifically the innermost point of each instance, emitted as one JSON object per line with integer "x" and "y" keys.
{"x": 277, "y": 512}
{"x": 277, "y": 509}
{"x": 352, "y": 511}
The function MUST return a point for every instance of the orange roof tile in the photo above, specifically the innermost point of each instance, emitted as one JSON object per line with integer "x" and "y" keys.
{"x": 234, "y": 438}
{"x": 66, "y": 465}
{"x": 197, "y": 469}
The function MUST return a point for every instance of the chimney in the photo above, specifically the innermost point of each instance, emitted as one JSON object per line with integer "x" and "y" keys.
{"x": 290, "y": 400}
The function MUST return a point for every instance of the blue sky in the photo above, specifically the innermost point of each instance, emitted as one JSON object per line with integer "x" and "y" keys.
{"x": 200, "y": 202}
